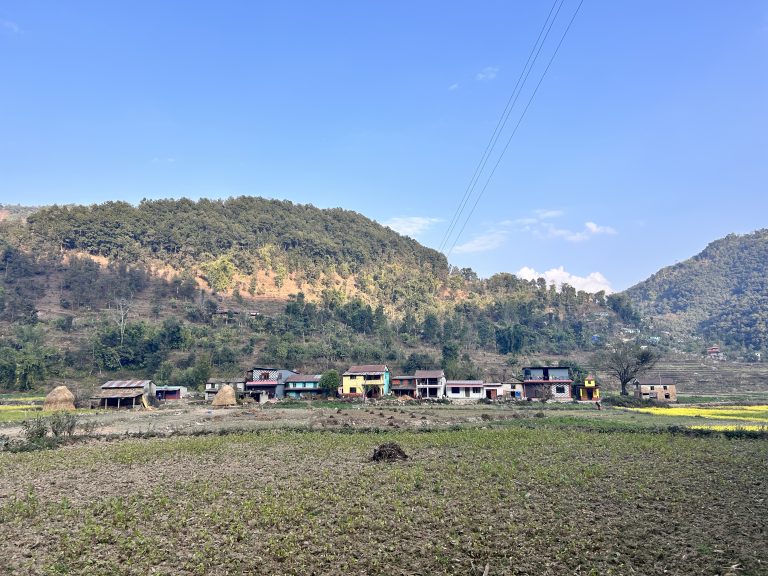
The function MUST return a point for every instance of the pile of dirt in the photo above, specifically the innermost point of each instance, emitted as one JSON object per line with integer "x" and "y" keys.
{"x": 225, "y": 396}
{"x": 60, "y": 398}
{"x": 388, "y": 452}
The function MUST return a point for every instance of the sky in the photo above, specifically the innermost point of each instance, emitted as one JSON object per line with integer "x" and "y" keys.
{"x": 643, "y": 140}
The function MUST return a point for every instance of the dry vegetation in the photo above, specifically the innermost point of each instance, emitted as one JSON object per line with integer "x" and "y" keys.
{"x": 519, "y": 496}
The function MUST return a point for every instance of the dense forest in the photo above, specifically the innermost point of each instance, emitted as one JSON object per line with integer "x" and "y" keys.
{"x": 719, "y": 294}
{"x": 177, "y": 290}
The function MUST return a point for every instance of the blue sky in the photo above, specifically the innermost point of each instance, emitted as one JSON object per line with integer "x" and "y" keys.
{"x": 646, "y": 140}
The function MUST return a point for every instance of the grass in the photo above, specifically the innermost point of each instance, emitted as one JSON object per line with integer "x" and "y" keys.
{"x": 15, "y": 414}
{"x": 562, "y": 494}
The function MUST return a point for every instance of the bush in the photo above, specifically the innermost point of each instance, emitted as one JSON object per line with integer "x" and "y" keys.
{"x": 62, "y": 424}
{"x": 35, "y": 429}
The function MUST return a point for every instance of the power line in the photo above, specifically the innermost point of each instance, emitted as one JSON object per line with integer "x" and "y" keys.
{"x": 514, "y": 131}
{"x": 501, "y": 123}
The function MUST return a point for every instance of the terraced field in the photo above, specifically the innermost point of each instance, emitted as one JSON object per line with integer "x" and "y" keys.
{"x": 557, "y": 494}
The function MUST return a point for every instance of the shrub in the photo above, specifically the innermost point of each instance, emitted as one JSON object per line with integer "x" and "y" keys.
{"x": 62, "y": 424}
{"x": 35, "y": 429}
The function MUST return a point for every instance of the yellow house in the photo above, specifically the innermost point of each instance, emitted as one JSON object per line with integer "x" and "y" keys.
{"x": 371, "y": 380}
{"x": 589, "y": 391}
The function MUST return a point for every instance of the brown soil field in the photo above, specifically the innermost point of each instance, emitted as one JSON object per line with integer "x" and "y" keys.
{"x": 497, "y": 495}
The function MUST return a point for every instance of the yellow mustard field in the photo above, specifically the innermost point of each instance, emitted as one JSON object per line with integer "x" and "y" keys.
{"x": 19, "y": 407}
{"x": 755, "y": 416}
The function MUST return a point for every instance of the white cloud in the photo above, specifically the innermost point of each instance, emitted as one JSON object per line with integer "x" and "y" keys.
{"x": 548, "y": 214}
{"x": 411, "y": 225}
{"x": 593, "y": 282}
{"x": 453, "y": 87}
{"x": 595, "y": 229}
{"x": 487, "y": 73}
{"x": 483, "y": 242}
{"x": 9, "y": 26}
{"x": 540, "y": 226}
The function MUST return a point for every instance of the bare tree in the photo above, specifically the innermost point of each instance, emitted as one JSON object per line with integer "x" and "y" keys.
{"x": 626, "y": 361}
{"x": 120, "y": 315}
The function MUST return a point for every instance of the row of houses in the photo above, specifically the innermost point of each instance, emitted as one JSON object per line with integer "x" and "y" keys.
{"x": 552, "y": 383}
{"x": 375, "y": 381}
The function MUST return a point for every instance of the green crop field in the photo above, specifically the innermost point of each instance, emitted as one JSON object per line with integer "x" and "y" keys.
{"x": 558, "y": 495}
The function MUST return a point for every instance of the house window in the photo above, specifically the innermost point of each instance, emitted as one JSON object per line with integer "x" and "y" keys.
{"x": 666, "y": 395}
{"x": 665, "y": 387}
{"x": 653, "y": 388}
{"x": 559, "y": 389}
{"x": 476, "y": 390}
{"x": 455, "y": 390}
{"x": 265, "y": 375}
{"x": 352, "y": 390}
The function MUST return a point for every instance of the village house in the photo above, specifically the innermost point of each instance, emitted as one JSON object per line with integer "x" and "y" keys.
{"x": 214, "y": 385}
{"x": 493, "y": 391}
{"x": 547, "y": 383}
{"x": 661, "y": 388}
{"x": 404, "y": 386}
{"x": 267, "y": 383}
{"x": 124, "y": 394}
{"x": 464, "y": 389}
{"x": 588, "y": 391}
{"x": 303, "y": 386}
{"x": 430, "y": 383}
{"x": 369, "y": 380}
{"x": 171, "y": 392}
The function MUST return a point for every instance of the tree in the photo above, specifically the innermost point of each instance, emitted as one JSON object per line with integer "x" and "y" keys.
{"x": 329, "y": 382}
{"x": 626, "y": 361}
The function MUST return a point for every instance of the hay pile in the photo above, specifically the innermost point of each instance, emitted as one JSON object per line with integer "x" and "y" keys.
{"x": 389, "y": 452}
{"x": 60, "y": 398}
{"x": 225, "y": 396}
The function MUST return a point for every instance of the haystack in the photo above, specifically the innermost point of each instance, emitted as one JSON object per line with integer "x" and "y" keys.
{"x": 225, "y": 396}
{"x": 60, "y": 398}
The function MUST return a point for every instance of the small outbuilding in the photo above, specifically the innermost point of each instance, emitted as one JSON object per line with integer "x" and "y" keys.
{"x": 60, "y": 398}
{"x": 124, "y": 394}
{"x": 588, "y": 391}
{"x": 661, "y": 388}
{"x": 171, "y": 392}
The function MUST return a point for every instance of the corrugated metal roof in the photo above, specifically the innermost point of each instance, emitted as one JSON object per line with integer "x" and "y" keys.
{"x": 118, "y": 393}
{"x": 262, "y": 383}
{"x": 430, "y": 374}
{"x": 464, "y": 383}
{"x": 366, "y": 369}
{"x": 225, "y": 380}
{"x": 303, "y": 378}
{"x": 126, "y": 384}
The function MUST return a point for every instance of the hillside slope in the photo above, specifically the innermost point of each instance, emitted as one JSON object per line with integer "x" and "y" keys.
{"x": 175, "y": 290}
{"x": 719, "y": 295}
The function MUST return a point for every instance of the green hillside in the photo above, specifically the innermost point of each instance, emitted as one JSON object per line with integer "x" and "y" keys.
{"x": 718, "y": 295}
{"x": 177, "y": 290}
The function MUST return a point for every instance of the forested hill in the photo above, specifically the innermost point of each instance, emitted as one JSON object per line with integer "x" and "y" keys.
{"x": 720, "y": 294}
{"x": 177, "y": 289}
{"x": 252, "y": 231}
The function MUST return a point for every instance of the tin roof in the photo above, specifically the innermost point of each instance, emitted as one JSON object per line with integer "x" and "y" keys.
{"x": 303, "y": 378}
{"x": 118, "y": 393}
{"x": 430, "y": 374}
{"x": 126, "y": 384}
{"x": 464, "y": 383}
{"x": 367, "y": 369}
{"x": 256, "y": 383}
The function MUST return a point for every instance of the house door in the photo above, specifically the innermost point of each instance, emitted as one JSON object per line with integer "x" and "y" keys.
{"x": 490, "y": 394}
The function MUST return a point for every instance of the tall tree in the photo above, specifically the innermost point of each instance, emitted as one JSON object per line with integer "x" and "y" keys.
{"x": 626, "y": 361}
